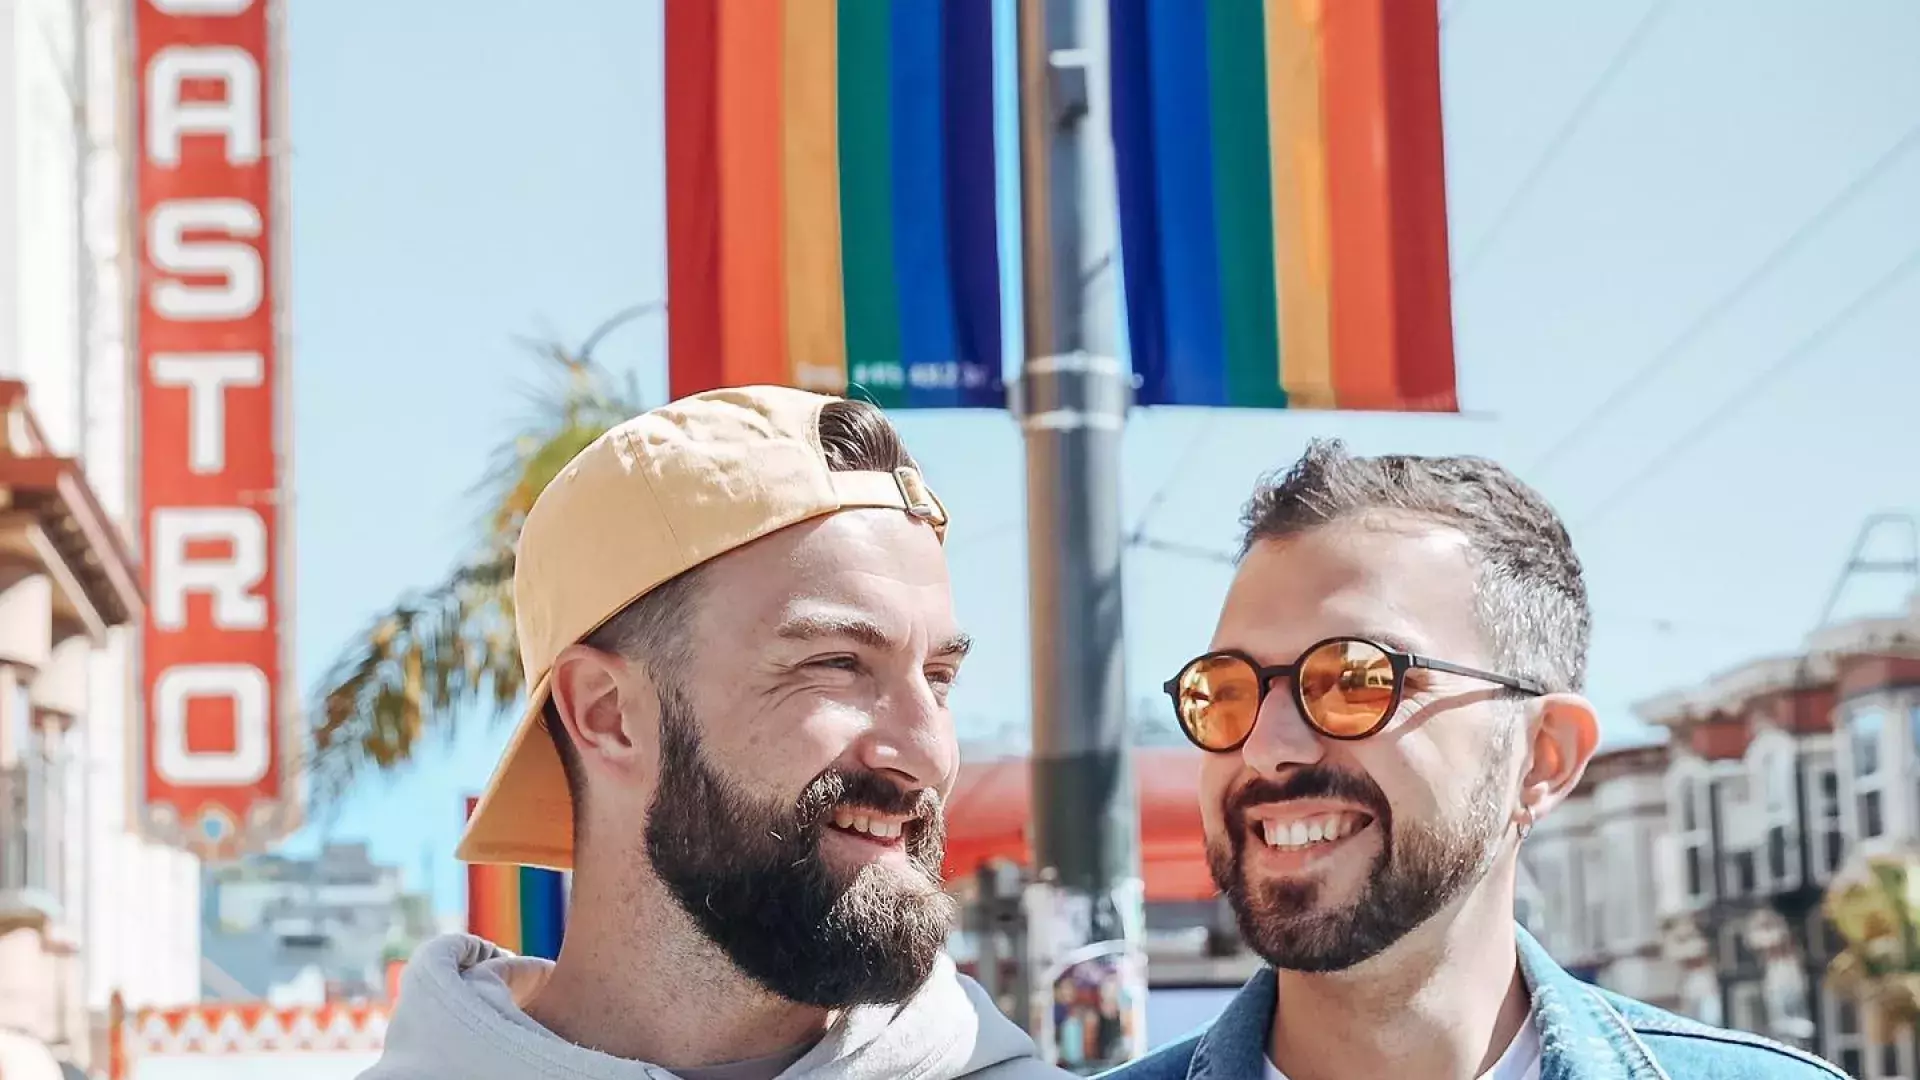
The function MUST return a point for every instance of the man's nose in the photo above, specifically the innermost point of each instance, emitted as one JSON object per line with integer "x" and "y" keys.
{"x": 1281, "y": 737}
{"x": 912, "y": 737}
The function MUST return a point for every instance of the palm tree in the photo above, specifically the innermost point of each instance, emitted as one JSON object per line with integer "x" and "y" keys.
{"x": 441, "y": 651}
{"x": 1875, "y": 905}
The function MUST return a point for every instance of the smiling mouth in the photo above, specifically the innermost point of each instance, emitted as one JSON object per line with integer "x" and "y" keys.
{"x": 872, "y": 828}
{"x": 1310, "y": 833}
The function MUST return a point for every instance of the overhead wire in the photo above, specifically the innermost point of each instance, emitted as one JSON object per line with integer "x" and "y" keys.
{"x": 1203, "y": 432}
{"x": 1561, "y": 138}
{"x": 1750, "y": 389}
{"x": 1713, "y": 312}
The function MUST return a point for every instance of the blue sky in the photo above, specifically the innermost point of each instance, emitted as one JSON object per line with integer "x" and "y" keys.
{"x": 465, "y": 173}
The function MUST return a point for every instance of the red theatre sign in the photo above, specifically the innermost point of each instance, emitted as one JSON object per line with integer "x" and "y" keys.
{"x": 219, "y": 733}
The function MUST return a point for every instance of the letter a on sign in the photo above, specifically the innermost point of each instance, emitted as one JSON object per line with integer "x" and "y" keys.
{"x": 220, "y": 734}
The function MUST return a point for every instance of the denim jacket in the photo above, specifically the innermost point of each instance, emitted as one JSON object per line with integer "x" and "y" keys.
{"x": 1585, "y": 1034}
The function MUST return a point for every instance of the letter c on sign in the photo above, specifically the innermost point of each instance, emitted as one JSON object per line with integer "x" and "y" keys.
{"x": 203, "y": 7}
{"x": 251, "y": 755}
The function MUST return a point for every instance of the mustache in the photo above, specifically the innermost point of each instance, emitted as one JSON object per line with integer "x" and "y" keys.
{"x": 1310, "y": 782}
{"x": 837, "y": 788}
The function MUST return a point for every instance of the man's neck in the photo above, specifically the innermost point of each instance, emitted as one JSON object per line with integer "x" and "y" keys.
{"x": 636, "y": 980}
{"x": 1444, "y": 1001}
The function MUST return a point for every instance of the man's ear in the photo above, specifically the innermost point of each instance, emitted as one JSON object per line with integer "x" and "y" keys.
{"x": 1565, "y": 732}
{"x": 603, "y": 701}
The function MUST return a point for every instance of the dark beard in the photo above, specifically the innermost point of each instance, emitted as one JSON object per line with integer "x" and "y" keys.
{"x": 1419, "y": 870}
{"x": 750, "y": 874}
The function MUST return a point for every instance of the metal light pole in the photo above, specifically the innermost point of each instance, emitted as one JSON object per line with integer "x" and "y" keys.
{"x": 1072, "y": 402}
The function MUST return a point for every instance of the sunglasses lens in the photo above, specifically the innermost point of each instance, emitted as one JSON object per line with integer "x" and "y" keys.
{"x": 1347, "y": 687}
{"x": 1218, "y": 699}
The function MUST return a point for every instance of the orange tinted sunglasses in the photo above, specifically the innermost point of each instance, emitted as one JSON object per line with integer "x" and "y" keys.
{"x": 1345, "y": 687}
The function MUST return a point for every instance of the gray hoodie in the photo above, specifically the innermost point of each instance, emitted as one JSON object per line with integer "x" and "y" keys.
{"x": 460, "y": 1017}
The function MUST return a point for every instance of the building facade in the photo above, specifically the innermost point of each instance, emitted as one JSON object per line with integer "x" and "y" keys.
{"x": 1589, "y": 887}
{"x": 307, "y": 931}
{"x": 86, "y": 907}
{"x": 1712, "y": 854}
{"x": 1782, "y": 771}
{"x": 1752, "y": 840}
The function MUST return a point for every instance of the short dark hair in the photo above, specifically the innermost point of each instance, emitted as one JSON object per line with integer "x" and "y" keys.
{"x": 1530, "y": 594}
{"x": 656, "y": 629}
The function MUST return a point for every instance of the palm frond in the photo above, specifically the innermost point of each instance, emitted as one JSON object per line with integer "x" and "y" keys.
{"x": 442, "y": 652}
{"x": 416, "y": 666}
{"x": 576, "y": 403}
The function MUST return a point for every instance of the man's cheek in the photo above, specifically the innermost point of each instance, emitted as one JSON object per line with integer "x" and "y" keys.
{"x": 1213, "y": 817}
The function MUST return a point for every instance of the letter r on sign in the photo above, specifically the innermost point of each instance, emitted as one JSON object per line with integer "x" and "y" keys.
{"x": 230, "y": 576}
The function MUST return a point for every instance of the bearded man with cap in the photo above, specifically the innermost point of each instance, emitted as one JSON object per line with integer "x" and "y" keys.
{"x": 735, "y": 616}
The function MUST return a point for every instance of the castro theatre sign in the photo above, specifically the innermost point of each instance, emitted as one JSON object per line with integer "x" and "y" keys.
{"x": 219, "y": 733}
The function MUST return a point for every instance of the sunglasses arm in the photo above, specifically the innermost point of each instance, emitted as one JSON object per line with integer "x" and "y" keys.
{"x": 1431, "y": 664}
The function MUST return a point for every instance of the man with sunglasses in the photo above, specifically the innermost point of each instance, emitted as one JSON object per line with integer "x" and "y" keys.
{"x": 1390, "y": 703}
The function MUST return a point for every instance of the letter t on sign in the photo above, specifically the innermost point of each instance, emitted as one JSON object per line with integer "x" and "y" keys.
{"x": 206, "y": 377}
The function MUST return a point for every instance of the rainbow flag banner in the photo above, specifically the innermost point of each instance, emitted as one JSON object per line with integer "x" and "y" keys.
{"x": 1283, "y": 210}
{"x": 521, "y": 908}
{"x": 831, "y": 206}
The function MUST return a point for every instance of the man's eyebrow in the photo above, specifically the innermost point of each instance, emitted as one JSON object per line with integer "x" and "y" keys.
{"x": 1396, "y": 642}
{"x": 852, "y": 627}
{"x": 861, "y": 630}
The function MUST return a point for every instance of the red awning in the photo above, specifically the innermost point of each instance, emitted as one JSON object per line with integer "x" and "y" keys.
{"x": 988, "y": 816}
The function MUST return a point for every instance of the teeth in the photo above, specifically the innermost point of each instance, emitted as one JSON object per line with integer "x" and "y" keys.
{"x": 1319, "y": 830}
{"x": 864, "y": 823}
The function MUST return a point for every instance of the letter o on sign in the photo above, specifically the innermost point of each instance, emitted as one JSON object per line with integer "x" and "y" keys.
{"x": 251, "y": 755}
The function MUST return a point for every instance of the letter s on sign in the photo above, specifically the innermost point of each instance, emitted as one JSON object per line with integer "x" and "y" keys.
{"x": 179, "y": 764}
{"x": 244, "y": 287}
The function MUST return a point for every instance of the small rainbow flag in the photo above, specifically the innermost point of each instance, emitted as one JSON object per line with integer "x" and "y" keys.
{"x": 831, "y": 205}
{"x": 520, "y": 908}
{"x": 1283, "y": 209}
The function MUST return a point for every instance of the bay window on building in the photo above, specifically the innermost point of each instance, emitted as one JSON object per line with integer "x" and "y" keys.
{"x": 1742, "y": 834}
{"x": 1843, "y": 1041}
{"x": 1780, "y": 869}
{"x": 1913, "y": 765}
{"x": 35, "y": 800}
{"x": 1867, "y": 770}
{"x": 1826, "y": 825}
{"x": 1688, "y": 805}
{"x": 1552, "y": 873}
{"x": 1597, "y": 892}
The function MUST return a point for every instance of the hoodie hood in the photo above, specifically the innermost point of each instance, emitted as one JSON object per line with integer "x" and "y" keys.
{"x": 460, "y": 1014}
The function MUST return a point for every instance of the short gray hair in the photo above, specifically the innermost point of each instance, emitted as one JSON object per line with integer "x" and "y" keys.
{"x": 1530, "y": 596}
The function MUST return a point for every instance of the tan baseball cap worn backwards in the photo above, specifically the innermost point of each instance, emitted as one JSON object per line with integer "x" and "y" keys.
{"x": 659, "y": 495}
